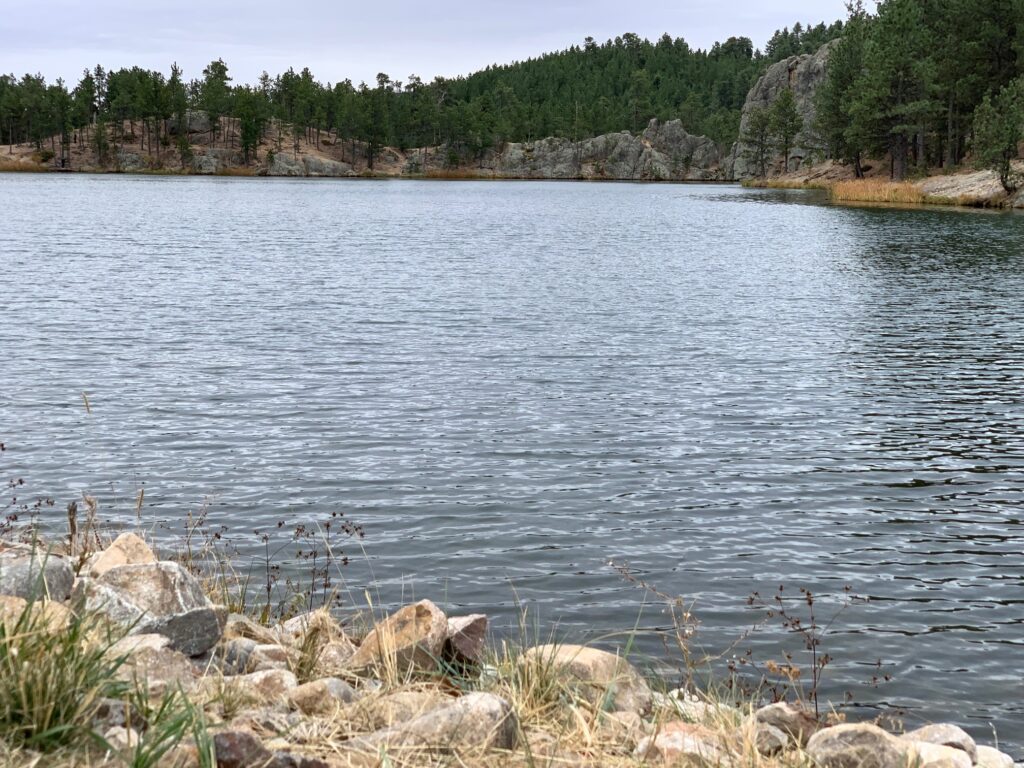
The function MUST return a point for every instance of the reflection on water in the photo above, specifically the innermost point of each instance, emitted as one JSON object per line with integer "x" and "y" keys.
{"x": 510, "y": 385}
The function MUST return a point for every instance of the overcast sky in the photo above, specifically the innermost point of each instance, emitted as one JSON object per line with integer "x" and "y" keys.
{"x": 357, "y": 40}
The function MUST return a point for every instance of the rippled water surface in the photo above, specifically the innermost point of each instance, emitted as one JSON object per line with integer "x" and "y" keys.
{"x": 512, "y": 384}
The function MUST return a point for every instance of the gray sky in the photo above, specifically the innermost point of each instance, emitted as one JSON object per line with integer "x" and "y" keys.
{"x": 357, "y": 40}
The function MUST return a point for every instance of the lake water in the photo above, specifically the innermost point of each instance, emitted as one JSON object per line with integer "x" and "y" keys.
{"x": 511, "y": 384}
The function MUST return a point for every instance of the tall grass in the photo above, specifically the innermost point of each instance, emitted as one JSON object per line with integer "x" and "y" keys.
{"x": 52, "y": 680}
{"x": 876, "y": 191}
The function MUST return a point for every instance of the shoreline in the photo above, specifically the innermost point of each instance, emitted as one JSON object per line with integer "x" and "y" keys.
{"x": 314, "y": 687}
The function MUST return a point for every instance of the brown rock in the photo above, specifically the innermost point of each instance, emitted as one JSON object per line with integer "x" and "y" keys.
{"x": 858, "y": 746}
{"x": 126, "y": 549}
{"x": 54, "y": 616}
{"x": 240, "y": 749}
{"x": 466, "y": 636}
{"x": 604, "y": 679}
{"x": 476, "y": 722}
{"x": 792, "y": 719}
{"x": 321, "y": 697}
{"x": 768, "y": 739}
{"x": 334, "y": 657}
{"x": 946, "y": 735}
{"x": 158, "y": 669}
{"x": 677, "y": 741}
{"x": 413, "y": 636}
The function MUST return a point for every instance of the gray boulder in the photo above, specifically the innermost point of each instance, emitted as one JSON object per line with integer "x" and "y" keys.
{"x": 858, "y": 746}
{"x": 283, "y": 164}
{"x": 31, "y": 572}
{"x": 322, "y": 166}
{"x": 801, "y": 74}
{"x": 196, "y": 121}
{"x": 155, "y": 598}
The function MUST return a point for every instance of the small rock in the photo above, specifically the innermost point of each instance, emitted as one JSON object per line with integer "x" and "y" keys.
{"x": 240, "y": 749}
{"x": 270, "y": 684}
{"x": 474, "y": 722}
{"x": 792, "y": 719}
{"x": 269, "y": 656}
{"x": 466, "y": 636}
{"x": 413, "y": 636}
{"x": 155, "y": 598}
{"x": 857, "y": 746}
{"x": 126, "y": 549}
{"x": 375, "y": 713}
{"x": 693, "y": 710}
{"x": 32, "y": 573}
{"x": 604, "y": 679}
{"x": 234, "y": 655}
{"x": 110, "y": 713}
{"x": 924, "y": 754}
{"x": 624, "y": 728}
{"x": 121, "y": 739}
{"x": 678, "y": 741}
{"x": 319, "y": 620}
{"x": 130, "y": 644}
{"x": 334, "y": 657}
{"x": 993, "y": 758}
{"x": 158, "y": 670}
{"x": 946, "y": 735}
{"x": 769, "y": 740}
{"x": 239, "y": 626}
{"x": 321, "y": 697}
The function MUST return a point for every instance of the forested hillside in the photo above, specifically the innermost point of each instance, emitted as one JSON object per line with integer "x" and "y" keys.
{"x": 583, "y": 91}
{"x": 926, "y": 81}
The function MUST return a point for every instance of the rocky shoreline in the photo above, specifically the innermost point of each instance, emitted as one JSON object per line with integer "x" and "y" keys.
{"x": 414, "y": 688}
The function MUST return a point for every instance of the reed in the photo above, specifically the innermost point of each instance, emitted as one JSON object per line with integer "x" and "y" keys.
{"x": 876, "y": 191}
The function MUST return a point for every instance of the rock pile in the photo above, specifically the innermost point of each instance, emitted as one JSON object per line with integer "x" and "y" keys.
{"x": 415, "y": 688}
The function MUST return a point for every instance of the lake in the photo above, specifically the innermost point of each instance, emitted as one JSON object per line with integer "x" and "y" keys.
{"x": 510, "y": 385}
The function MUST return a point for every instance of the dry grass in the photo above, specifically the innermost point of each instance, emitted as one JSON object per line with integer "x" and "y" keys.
{"x": 784, "y": 184}
{"x": 875, "y": 191}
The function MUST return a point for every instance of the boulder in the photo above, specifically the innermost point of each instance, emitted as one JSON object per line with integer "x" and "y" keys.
{"x": 858, "y": 746}
{"x": 677, "y": 742}
{"x": 155, "y": 598}
{"x": 924, "y": 754}
{"x": 476, "y": 722}
{"x": 466, "y": 636}
{"x": 238, "y": 625}
{"x": 284, "y": 164}
{"x": 334, "y": 657}
{"x": 126, "y": 549}
{"x": 30, "y": 572}
{"x": 321, "y": 697}
{"x": 55, "y": 616}
{"x": 792, "y": 719}
{"x": 322, "y": 166}
{"x": 993, "y": 758}
{"x": 606, "y": 680}
{"x": 946, "y": 735}
{"x": 769, "y": 740}
{"x": 413, "y": 636}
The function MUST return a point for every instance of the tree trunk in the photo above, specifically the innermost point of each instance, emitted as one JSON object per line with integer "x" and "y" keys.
{"x": 899, "y": 158}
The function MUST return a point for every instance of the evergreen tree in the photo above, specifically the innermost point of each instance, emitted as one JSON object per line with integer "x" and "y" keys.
{"x": 784, "y": 124}
{"x": 998, "y": 131}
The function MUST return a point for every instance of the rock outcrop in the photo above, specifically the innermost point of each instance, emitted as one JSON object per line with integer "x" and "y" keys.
{"x": 801, "y": 74}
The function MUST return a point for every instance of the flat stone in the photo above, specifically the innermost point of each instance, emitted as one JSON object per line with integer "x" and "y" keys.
{"x": 606, "y": 680}
{"x": 858, "y": 746}
{"x": 130, "y": 644}
{"x": 946, "y": 735}
{"x": 993, "y": 758}
{"x": 476, "y": 722}
{"x": 792, "y": 719}
{"x": 466, "y": 637}
{"x": 126, "y": 549}
{"x": 322, "y": 697}
{"x": 32, "y": 573}
{"x": 412, "y": 637}
{"x": 677, "y": 741}
{"x": 155, "y": 598}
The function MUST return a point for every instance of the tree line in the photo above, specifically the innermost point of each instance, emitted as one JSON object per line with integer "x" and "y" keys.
{"x": 925, "y": 82}
{"x": 582, "y": 91}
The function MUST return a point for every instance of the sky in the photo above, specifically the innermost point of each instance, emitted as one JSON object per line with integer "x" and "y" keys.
{"x": 344, "y": 39}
